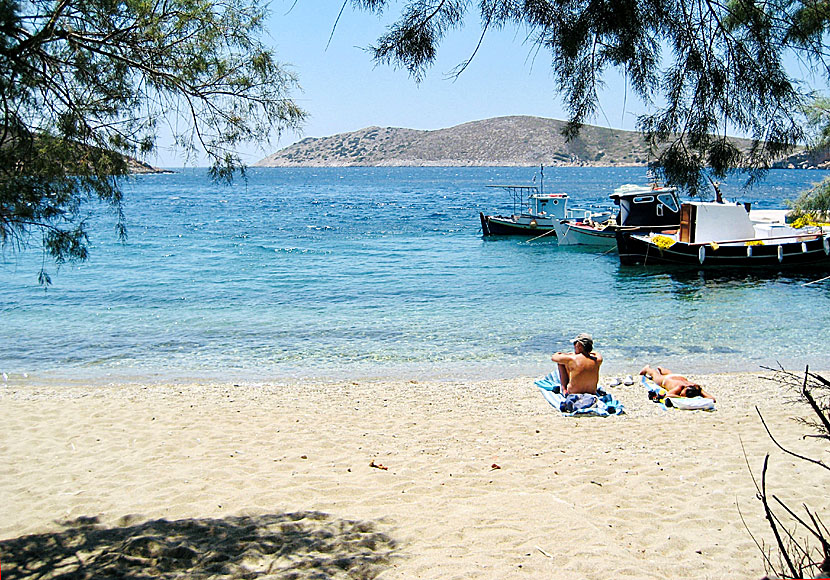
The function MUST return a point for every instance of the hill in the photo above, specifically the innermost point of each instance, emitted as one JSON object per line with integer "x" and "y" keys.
{"x": 141, "y": 168}
{"x": 501, "y": 141}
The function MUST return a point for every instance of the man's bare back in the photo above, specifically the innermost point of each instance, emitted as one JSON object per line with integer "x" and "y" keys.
{"x": 579, "y": 370}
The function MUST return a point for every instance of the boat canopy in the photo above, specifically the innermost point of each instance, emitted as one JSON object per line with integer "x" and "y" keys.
{"x": 647, "y": 206}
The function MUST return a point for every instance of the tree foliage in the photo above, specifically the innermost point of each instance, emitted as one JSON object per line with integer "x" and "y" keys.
{"x": 85, "y": 83}
{"x": 704, "y": 67}
{"x": 813, "y": 205}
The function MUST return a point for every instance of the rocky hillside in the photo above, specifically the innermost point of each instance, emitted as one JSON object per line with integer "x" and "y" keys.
{"x": 502, "y": 141}
{"x": 805, "y": 160}
{"x": 140, "y": 167}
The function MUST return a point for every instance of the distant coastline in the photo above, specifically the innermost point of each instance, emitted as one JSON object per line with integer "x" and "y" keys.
{"x": 514, "y": 141}
{"x": 141, "y": 168}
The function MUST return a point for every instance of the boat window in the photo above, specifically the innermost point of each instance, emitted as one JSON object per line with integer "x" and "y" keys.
{"x": 660, "y": 210}
{"x": 669, "y": 201}
{"x": 644, "y": 199}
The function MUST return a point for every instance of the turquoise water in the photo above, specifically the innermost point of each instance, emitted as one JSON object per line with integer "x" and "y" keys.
{"x": 366, "y": 273}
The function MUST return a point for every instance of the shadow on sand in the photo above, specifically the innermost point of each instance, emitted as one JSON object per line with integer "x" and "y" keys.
{"x": 289, "y": 545}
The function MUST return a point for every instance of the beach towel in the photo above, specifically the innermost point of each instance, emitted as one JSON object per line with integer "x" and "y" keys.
{"x": 657, "y": 394}
{"x": 602, "y": 404}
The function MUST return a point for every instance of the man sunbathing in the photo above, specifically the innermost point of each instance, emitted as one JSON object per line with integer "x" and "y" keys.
{"x": 579, "y": 371}
{"x": 675, "y": 385}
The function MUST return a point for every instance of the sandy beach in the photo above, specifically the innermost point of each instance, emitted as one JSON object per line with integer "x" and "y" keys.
{"x": 391, "y": 480}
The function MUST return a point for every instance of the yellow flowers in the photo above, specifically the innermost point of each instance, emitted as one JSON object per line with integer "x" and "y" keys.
{"x": 808, "y": 220}
{"x": 663, "y": 242}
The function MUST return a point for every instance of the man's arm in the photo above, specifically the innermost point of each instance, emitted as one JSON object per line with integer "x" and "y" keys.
{"x": 561, "y": 357}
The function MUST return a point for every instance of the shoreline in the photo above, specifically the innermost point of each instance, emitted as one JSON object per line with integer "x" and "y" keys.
{"x": 481, "y": 478}
{"x": 475, "y": 372}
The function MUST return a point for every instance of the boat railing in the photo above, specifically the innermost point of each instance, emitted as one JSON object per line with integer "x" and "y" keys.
{"x": 814, "y": 235}
{"x": 518, "y": 192}
{"x": 661, "y": 226}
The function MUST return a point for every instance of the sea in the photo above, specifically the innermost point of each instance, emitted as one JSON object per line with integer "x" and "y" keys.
{"x": 372, "y": 274}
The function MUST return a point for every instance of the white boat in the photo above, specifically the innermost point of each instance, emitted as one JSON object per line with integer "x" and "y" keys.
{"x": 588, "y": 230}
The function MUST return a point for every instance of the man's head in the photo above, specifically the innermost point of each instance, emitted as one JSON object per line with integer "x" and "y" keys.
{"x": 585, "y": 341}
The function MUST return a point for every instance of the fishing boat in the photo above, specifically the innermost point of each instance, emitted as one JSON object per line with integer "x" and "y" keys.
{"x": 642, "y": 209}
{"x": 533, "y": 218}
{"x": 535, "y": 213}
{"x": 722, "y": 234}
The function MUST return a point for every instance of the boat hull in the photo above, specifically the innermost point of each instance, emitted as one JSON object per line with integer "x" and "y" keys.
{"x": 520, "y": 226}
{"x": 570, "y": 234}
{"x": 634, "y": 249}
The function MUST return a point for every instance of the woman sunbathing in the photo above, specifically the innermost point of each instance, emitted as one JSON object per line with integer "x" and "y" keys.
{"x": 675, "y": 385}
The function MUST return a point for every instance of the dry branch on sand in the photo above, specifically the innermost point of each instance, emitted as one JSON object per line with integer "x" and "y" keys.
{"x": 802, "y": 545}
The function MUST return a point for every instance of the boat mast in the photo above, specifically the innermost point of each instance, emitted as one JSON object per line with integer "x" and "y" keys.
{"x": 541, "y": 179}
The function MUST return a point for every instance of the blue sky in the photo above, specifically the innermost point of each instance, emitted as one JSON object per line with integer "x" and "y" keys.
{"x": 343, "y": 90}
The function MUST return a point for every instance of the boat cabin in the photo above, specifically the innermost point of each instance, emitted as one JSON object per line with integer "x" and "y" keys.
{"x": 538, "y": 203}
{"x": 703, "y": 222}
{"x": 647, "y": 207}
{"x": 539, "y": 214}
{"x": 710, "y": 222}
{"x": 552, "y": 204}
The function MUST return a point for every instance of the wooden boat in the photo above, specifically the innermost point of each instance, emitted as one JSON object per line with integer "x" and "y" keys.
{"x": 718, "y": 234}
{"x": 535, "y": 218}
{"x": 535, "y": 213}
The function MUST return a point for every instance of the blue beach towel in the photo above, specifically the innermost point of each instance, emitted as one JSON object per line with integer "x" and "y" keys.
{"x": 657, "y": 394}
{"x": 600, "y": 405}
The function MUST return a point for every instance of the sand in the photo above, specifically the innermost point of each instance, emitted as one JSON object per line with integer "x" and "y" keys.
{"x": 390, "y": 480}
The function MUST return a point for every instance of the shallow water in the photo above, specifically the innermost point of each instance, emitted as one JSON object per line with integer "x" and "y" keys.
{"x": 382, "y": 273}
